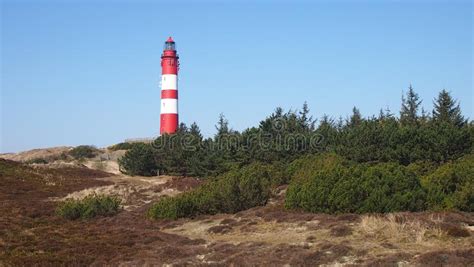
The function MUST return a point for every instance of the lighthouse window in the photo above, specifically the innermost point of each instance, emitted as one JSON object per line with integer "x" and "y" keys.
{"x": 170, "y": 46}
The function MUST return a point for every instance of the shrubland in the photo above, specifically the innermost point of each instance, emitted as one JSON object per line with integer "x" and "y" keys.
{"x": 331, "y": 184}
{"x": 410, "y": 162}
{"x": 451, "y": 186}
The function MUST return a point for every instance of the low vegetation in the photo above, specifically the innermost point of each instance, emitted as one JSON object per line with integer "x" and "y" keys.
{"x": 236, "y": 190}
{"x": 124, "y": 146}
{"x": 397, "y": 229}
{"x": 89, "y": 207}
{"x": 37, "y": 161}
{"x": 331, "y": 184}
{"x": 451, "y": 186}
{"x": 83, "y": 152}
{"x": 31, "y": 233}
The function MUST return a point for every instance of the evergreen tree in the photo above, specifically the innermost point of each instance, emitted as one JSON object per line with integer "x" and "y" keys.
{"x": 278, "y": 112}
{"x": 182, "y": 128}
{"x": 446, "y": 109}
{"x": 410, "y": 107}
{"x": 340, "y": 123}
{"x": 222, "y": 126}
{"x": 328, "y": 130}
{"x": 356, "y": 118}
{"x": 326, "y": 121}
{"x": 425, "y": 117}
{"x": 381, "y": 115}
{"x": 388, "y": 113}
{"x": 139, "y": 160}
{"x": 306, "y": 122}
{"x": 195, "y": 131}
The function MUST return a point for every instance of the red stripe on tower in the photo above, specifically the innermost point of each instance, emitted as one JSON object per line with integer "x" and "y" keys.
{"x": 169, "y": 88}
{"x": 169, "y": 94}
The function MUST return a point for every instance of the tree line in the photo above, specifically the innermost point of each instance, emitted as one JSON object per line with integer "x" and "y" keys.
{"x": 415, "y": 135}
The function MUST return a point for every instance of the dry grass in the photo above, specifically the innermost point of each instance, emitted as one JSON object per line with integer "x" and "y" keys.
{"x": 381, "y": 240}
{"x": 396, "y": 228}
{"x": 255, "y": 230}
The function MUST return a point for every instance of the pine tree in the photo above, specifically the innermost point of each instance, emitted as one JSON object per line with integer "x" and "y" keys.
{"x": 326, "y": 122}
{"x": 356, "y": 118}
{"x": 388, "y": 113}
{"x": 381, "y": 115}
{"x": 222, "y": 126}
{"x": 446, "y": 109}
{"x": 182, "y": 128}
{"x": 194, "y": 130}
{"x": 327, "y": 129}
{"x": 278, "y": 112}
{"x": 340, "y": 123}
{"x": 306, "y": 122}
{"x": 410, "y": 107}
{"x": 425, "y": 117}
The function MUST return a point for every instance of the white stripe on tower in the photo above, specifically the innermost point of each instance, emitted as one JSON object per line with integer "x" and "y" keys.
{"x": 169, "y": 82}
{"x": 169, "y": 106}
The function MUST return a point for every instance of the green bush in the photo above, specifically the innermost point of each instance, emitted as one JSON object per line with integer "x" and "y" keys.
{"x": 82, "y": 152}
{"x": 451, "y": 186}
{"x": 423, "y": 168}
{"x": 124, "y": 146}
{"x": 89, "y": 207}
{"x": 37, "y": 161}
{"x": 330, "y": 184}
{"x": 305, "y": 166}
{"x": 139, "y": 160}
{"x": 236, "y": 190}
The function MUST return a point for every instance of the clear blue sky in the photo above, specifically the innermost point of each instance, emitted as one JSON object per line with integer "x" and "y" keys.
{"x": 87, "y": 72}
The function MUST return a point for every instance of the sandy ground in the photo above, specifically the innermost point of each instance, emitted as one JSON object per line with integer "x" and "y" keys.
{"x": 44, "y": 153}
{"x": 134, "y": 191}
{"x": 105, "y": 160}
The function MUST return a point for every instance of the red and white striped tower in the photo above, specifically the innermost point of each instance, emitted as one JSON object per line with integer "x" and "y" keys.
{"x": 169, "y": 88}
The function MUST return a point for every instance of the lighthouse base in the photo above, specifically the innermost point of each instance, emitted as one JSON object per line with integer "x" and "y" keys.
{"x": 169, "y": 123}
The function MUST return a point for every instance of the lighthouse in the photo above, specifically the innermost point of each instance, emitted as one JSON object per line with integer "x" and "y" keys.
{"x": 169, "y": 88}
